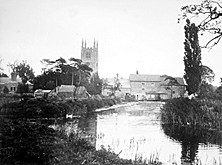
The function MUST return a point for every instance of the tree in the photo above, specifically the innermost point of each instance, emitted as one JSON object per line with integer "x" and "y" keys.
{"x": 218, "y": 93}
{"x": 116, "y": 86}
{"x": 59, "y": 71}
{"x": 24, "y": 71}
{"x": 82, "y": 71}
{"x": 3, "y": 75}
{"x": 172, "y": 82}
{"x": 192, "y": 58}
{"x": 45, "y": 81}
{"x": 209, "y": 14}
{"x": 207, "y": 74}
{"x": 206, "y": 90}
{"x": 94, "y": 87}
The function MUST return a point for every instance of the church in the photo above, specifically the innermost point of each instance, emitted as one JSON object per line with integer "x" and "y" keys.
{"x": 89, "y": 56}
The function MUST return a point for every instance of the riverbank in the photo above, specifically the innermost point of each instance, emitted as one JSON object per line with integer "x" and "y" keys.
{"x": 27, "y": 140}
{"x": 195, "y": 113}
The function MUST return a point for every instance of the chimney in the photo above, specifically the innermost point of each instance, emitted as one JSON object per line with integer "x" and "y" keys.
{"x": 13, "y": 76}
{"x": 137, "y": 72}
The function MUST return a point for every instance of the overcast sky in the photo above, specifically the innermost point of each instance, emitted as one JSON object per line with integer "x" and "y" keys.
{"x": 133, "y": 35}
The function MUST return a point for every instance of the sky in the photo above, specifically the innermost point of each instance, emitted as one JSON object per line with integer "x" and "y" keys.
{"x": 132, "y": 35}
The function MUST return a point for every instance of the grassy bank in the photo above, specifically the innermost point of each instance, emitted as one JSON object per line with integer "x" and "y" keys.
{"x": 26, "y": 140}
{"x": 201, "y": 113}
{"x": 43, "y": 108}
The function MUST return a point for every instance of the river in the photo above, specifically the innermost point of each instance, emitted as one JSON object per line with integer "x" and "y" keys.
{"x": 134, "y": 131}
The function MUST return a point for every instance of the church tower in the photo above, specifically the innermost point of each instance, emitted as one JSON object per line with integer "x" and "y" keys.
{"x": 89, "y": 55}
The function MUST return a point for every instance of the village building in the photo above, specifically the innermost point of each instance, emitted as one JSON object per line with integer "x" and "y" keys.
{"x": 69, "y": 92}
{"x": 146, "y": 87}
{"x": 9, "y": 84}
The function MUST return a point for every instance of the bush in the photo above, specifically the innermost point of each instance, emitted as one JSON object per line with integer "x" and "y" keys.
{"x": 25, "y": 142}
{"x": 202, "y": 113}
{"x": 180, "y": 110}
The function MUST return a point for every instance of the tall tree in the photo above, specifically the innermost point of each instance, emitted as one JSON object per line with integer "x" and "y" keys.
{"x": 60, "y": 71}
{"x": 25, "y": 72}
{"x": 192, "y": 58}
{"x": 209, "y": 14}
{"x": 82, "y": 71}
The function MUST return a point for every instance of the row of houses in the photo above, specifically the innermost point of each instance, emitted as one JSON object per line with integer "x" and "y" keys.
{"x": 140, "y": 86}
{"x": 146, "y": 87}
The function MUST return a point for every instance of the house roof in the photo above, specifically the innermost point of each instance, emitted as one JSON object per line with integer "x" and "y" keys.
{"x": 144, "y": 78}
{"x": 66, "y": 88}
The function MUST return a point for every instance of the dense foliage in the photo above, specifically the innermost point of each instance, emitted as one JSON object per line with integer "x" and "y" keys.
{"x": 25, "y": 142}
{"x": 60, "y": 71}
{"x": 74, "y": 72}
{"x": 3, "y": 75}
{"x": 203, "y": 114}
{"x": 94, "y": 86}
{"x": 25, "y": 72}
{"x": 192, "y": 58}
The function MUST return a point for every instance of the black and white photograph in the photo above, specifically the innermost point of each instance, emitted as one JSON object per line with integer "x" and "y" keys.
{"x": 110, "y": 82}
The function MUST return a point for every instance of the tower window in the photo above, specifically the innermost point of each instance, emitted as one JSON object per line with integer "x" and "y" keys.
{"x": 88, "y": 55}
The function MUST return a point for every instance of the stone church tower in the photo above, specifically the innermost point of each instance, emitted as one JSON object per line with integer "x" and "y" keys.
{"x": 89, "y": 56}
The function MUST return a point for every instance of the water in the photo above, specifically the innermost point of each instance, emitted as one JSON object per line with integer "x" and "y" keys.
{"x": 135, "y": 131}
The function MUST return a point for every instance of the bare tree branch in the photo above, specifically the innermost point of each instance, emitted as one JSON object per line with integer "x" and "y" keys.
{"x": 210, "y": 11}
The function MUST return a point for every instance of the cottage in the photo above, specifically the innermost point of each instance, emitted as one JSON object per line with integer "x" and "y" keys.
{"x": 9, "y": 84}
{"x": 70, "y": 92}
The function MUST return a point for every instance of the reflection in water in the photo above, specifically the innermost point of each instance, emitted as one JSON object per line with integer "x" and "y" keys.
{"x": 88, "y": 124}
{"x": 135, "y": 131}
{"x": 191, "y": 138}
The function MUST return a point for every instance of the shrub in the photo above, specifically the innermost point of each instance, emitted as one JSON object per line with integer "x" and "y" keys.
{"x": 193, "y": 113}
{"x": 25, "y": 142}
{"x": 180, "y": 110}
